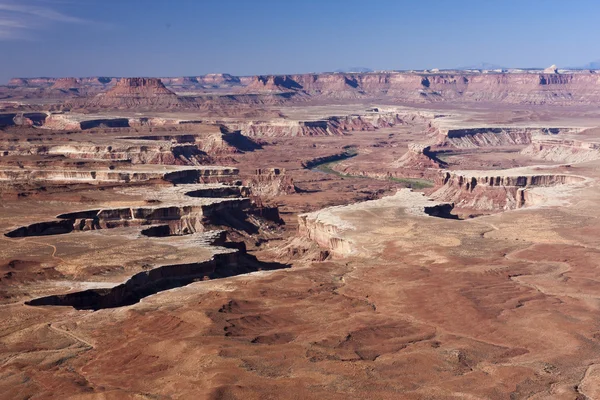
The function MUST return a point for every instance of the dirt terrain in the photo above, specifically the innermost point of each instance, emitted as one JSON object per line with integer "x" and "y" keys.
{"x": 365, "y": 236}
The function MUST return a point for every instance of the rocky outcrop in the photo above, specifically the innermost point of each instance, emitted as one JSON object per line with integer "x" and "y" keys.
{"x": 227, "y": 142}
{"x": 495, "y": 192}
{"x": 270, "y": 182}
{"x": 419, "y": 156}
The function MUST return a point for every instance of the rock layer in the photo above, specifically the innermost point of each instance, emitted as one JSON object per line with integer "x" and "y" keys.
{"x": 479, "y": 191}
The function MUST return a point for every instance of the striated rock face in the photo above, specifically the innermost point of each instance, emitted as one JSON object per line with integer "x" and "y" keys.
{"x": 332, "y": 126}
{"x": 489, "y": 192}
{"x": 177, "y": 219}
{"x": 178, "y": 175}
{"x": 59, "y": 121}
{"x": 567, "y": 150}
{"x": 280, "y": 128}
{"x": 76, "y": 175}
{"x": 492, "y": 136}
{"x": 326, "y": 232}
{"x": 543, "y": 87}
{"x": 136, "y": 92}
{"x": 67, "y": 122}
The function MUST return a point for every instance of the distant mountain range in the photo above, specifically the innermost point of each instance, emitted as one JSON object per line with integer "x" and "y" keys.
{"x": 591, "y": 65}
{"x": 595, "y": 65}
{"x": 483, "y": 66}
{"x": 353, "y": 69}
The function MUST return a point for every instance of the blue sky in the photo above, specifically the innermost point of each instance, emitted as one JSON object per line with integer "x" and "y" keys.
{"x": 245, "y": 37}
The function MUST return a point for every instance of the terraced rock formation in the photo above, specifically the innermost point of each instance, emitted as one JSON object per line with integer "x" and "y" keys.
{"x": 141, "y": 93}
{"x": 332, "y": 227}
{"x": 476, "y": 190}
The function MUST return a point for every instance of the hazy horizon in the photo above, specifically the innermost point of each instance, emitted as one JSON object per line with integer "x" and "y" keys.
{"x": 62, "y": 38}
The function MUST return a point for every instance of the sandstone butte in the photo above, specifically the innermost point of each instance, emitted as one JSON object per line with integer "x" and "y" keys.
{"x": 386, "y": 235}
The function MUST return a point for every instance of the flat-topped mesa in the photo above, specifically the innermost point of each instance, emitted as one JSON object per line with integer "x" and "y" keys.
{"x": 495, "y": 136}
{"x": 60, "y": 82}
{"x": 135, "y": 87}
{"x": 565, "y": 149}
{"x": 331, "y": 126}
{"x": 280, "y": 128}
{"x": 136, "y": 92}
{"x": 177, "y": 175}
{"x": 272, "y": 83}
{"x": 537, "y": 87}
{"x": 335, "y": 228}
{"x": 477, "y": 191}
{"x": 80, "y": 121}
{"x": 66, "y": 84}
{"x": 32, "y": 82}
{"x": 166, "y": 153}
{"x": 216, "y": 80}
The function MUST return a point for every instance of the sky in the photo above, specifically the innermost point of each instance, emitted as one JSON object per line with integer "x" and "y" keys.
{"x": 246, "y": 37}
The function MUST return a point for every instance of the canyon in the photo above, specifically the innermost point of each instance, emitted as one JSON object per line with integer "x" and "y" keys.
{"x": 388, "y": 235}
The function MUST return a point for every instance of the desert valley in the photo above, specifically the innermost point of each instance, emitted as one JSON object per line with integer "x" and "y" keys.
{"x": 379, "y": 235}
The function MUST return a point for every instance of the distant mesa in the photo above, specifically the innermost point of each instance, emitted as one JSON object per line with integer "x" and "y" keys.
{"x": 594, "y": 65}
{"x": 273, "y": 83}
{"x": 553, "y": 69}
{"x": 136, "y": 92}
{"x": 66, "y": 84}
{"x": 218, "y": 79}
